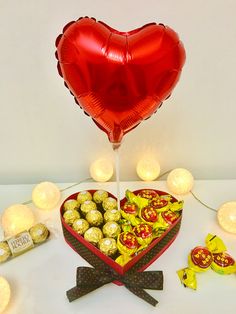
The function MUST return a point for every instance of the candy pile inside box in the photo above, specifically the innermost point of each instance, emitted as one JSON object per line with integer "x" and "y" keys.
{"x": 130, "y": 238}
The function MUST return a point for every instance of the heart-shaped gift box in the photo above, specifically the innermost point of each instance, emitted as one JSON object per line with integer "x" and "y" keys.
{"x": 103, "y": 262}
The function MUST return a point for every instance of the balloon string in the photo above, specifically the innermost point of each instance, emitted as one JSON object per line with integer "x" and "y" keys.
{"x": 117, "y": 170}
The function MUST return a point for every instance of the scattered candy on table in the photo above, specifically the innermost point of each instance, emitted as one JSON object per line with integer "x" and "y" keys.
{"x": 23, "y": 242}
{"x": 201, "y": 259}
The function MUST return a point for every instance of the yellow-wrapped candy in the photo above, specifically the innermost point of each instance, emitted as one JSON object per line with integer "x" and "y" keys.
{"x": 200, "y": 259}
{"x": 123, "y": 259}
{"x": 215, "y": 244}
{"x": 127, "y": 243}
{"x": 143, "y": 233}
{"x": 187, "y": 277}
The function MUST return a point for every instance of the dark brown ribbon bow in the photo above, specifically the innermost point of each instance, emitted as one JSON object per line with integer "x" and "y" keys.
{"x": 89, "y": 279}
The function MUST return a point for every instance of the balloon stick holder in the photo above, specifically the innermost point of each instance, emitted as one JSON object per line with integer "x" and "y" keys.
{"x": 115, "y": 147}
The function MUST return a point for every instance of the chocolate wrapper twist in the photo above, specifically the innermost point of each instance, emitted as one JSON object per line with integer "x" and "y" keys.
{"x": 89, "y": 279}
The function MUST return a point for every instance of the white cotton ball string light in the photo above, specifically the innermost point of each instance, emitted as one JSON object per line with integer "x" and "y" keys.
{"x": 148, "y": 169}
{"x": 17, "y": 218}
{"x": 101, "y": 170}
{"x": 46, "y": 195}
{"x": 5, "y": 294}
{"x": 226, "y": 216}
{"x": 180, "y": 181}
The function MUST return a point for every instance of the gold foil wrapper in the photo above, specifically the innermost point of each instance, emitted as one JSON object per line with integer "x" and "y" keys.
{"x": 99, "y": 196}
{"x": 108, "y": 246}
{"x": 111, "y": 229}
{"x": 84, "y": 196}
{"x": 5, "y": 251}
{"x": 39, "y": 233}
{"x": 70, "y": 216}
{"x": 94, "y": 217}
{"x": 93, "y": 235}
{"x": 109, "y": 203}
{"x": 80, "y": 226}
{"x": 20, "y": 243}
{"x": 71, "y": 204}
{"x": 112, "y": 215}
{"x": 87, "y": 206}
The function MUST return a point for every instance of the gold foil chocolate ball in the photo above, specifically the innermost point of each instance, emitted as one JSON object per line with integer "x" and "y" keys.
{"x": 84, "y": 196}
{"x": 109, "y": 203}
{"x": 70, "y": 216}
{"x": 107, "y": 246}
{"x": 99, "y": 196}
{"x": 80, "y": 226}
{"x": 39, "y": 233}
{"x": 87, "y": 206}
{"x": 111, "y": 229}
{"x": 71, "y": 204}
{"x": 112, "y": 215}
{"x": 94, "y": 217}
{"x": 5, "y": 252}
{"x": 93, "y": 235}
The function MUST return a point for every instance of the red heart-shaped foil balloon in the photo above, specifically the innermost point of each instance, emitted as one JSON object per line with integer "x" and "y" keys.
{"x": 119, "y": 78}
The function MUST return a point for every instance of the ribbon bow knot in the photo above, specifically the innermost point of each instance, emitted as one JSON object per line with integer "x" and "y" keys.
{"x": 89, "y": 279}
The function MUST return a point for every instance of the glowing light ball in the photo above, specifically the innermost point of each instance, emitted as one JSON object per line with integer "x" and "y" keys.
{"x": 226, "y": 216}
{"x": 17, "y": 218}
{"x": 46, "y": 195}
{"x": 148, "y": 169}
{"x": 180, "y": 181}
{"x": 101, "y": 170}
{"x": 5, "y": 294}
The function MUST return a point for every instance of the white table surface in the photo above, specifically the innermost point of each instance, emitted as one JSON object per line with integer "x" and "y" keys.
{"x": 40, "y": 278}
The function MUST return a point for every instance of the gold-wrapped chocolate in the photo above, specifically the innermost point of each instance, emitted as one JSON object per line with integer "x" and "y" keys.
{"x": 5, "y": 251}
{"x": 108, "y": 246}
{"x": 99, "y": 196}
{"x": 87, "y": 206}
{"x": 111, "y": 229}
{"x": 93, "y": 235}
{"x": 71, "y": 204}
{"x": 109, "y": 203}
{"x": 39, "y": 233}
{"x": 70, "y": 216}
{"x": 80, "y": 226}
{"x": 84, "y": 196}
{"x": 94, "y": 217}
{"x": 112, "y": 215}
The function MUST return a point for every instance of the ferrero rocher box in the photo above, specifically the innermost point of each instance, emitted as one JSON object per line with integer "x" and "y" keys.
{"x": 153, "y": 227}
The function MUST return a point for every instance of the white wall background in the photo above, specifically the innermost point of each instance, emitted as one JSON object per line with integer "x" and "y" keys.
{"x": 45, "y": 136}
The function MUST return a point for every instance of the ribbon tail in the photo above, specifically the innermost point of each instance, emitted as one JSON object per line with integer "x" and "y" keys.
{"x": 142, "y": 294}
{"x": 77, "y": 292}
